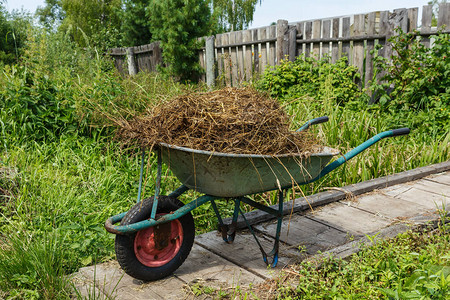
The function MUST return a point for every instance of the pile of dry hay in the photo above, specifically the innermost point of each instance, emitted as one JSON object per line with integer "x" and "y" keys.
{"x": 229, "y": 120}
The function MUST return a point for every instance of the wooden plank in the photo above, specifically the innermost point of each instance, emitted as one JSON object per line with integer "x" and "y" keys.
{"x": 427, "y": 13}
{"x": 346, "y": 33}
{"x": 316, "y": 32}
{"x": 262, "y": 34}
{"x": 227, "y": 62}
{"x": 349, "y": 219}
{"x": 306, "y": 233}
{"x": 444, "y": 16}
{"x": 201, "y": 55}
{"x": 240, "y": 59}
{"x": 248, "y": 57}
{"x": 386, "y": 206}
{"x": 383, "y": 30}
{"x": 358, "y": 46}
{"x": 335, "y": 45}
{"x": 256, "y": 52}
{"x": 210, "y": 61}
{"x": 301, "y": 31}
{"x": 220, "y": 80}
{"x": 244, "y": 251}
{"x": 326, "y": 33}
{"x": 370, "y": 44}
{"x": 234, "y": 61}
{"x": 308, "y": 35}
{"x": 400, "y": 17}
{"x": 272, "y": 33}
{"x": 282, "y": 42}
{"x": 157, "y": 54}
{"x": 412, "y": 18}
{"x": 292, "y": 43}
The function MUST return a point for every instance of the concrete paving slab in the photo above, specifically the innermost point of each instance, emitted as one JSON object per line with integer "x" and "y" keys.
{"x": 396, "y": 190}
{"x": 430, "y": 200}
{"x": 443, "y": 178}
{"x": 114, "y": 283}
{"x": 386, "y": 206}
{"x": 306, "y": 233}
{"x": 204, "y": 265}
{"x": 85, "y": 288}
{"x": 349, "y": 219}
{"x": 432, "y": 187}
{"x": 244, "y": 251}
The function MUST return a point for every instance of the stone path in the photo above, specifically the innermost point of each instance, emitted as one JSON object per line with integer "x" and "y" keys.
{"x": 384, "y": 206}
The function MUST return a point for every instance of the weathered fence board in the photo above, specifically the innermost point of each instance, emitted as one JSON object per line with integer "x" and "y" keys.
{"x": 248, "y": 58}
{"x": 227, "y": 59}
{"x": 255, "y": 68}
{"x": 346, "y": 34}
{"x": 316, "y": 34}
{"x": 371, "y": 20}
{"x": 308, "y": 36}
{"x": 358, "y": 46}
{"x": 326, "y": 34}
{"x": 262, "y": 34}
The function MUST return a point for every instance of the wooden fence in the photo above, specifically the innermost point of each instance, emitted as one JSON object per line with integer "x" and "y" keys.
{"x": 243, "y": 55}
{"x": 234, "y": 57}
{"x": 134, "y": 59}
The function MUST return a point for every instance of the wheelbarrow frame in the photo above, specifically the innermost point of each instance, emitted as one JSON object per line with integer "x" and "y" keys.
{"x": 228, "y": 232}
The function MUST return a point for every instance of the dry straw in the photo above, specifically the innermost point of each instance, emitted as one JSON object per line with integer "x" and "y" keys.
{"x": 229, "y": 120}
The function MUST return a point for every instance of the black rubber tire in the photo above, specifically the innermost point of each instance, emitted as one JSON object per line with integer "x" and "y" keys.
{"x": 125, "y": 243}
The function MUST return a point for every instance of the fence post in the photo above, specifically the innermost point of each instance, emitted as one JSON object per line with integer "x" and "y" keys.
{"x": 210, "y": 61}
{"x": 132, "y": 69}
{"x": 282, "y": 40}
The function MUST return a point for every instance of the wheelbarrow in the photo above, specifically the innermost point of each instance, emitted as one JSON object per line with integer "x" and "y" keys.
{"x": 156, "y": 235}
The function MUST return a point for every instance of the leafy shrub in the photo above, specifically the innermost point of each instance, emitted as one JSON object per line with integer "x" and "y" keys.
{"x": 313, "y": 78}
{"x": 419, "y": 79}
{"x": 32, "y": 107}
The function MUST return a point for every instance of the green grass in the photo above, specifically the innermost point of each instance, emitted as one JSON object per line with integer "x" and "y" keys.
{"x": 414, "y": 265}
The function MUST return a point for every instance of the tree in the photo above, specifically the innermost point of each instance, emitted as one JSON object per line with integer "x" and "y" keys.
{"x": 13, "y": 34}
{"x": 51, "y": 15}
{"x": 178, "y": 24}
{"x": 135, "y": 24}
{"x": 95, "y": 21}
{"x": 230, "y": 15}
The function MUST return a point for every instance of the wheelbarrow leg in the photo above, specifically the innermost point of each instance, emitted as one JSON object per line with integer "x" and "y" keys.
{"x": 222, "y": 227}
{"x": 276, "y": 245}
{"x": 275, "y": 249}
{"x": 232, "y": 228}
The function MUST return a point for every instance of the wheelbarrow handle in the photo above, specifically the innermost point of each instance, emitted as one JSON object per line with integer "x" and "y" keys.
{"x": 313, "y": 122}
{"x": 355, "y": 151}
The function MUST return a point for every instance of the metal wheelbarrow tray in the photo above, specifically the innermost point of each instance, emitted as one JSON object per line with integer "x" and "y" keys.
{"x": 156, "y": 235}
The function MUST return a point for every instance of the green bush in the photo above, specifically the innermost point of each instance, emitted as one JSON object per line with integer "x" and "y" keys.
{"x": 32, "y": 107}
{"x": 317, "y": 79}
{"x": 419, "y": 78}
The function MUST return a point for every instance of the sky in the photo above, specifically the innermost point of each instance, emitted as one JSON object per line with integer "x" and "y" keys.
{"x": 292, "y": 10}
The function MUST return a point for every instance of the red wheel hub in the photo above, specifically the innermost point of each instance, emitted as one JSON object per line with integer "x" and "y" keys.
{"x": 156, "y": 246}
